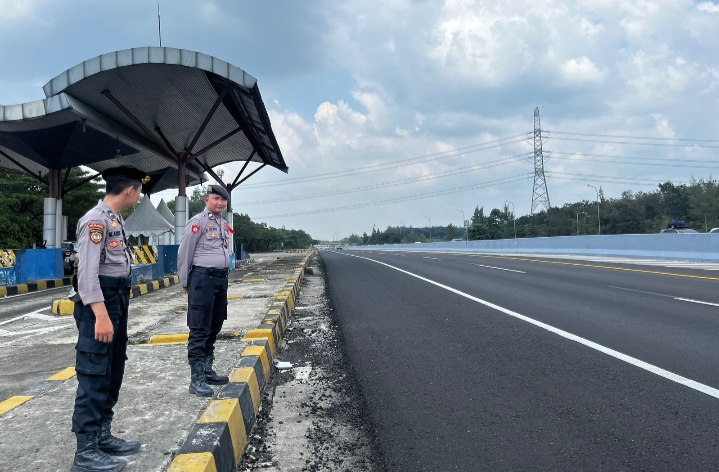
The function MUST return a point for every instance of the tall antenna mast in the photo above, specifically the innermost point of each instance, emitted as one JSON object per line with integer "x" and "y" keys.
{"x": 159, "y": 23}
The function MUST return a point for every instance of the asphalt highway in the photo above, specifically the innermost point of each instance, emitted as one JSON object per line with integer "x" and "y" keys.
{"x": 478, "y": 363}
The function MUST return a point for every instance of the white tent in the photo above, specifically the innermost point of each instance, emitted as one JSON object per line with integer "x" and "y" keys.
{"x": 165, "y": 212}
{"x": 148, "y": 222}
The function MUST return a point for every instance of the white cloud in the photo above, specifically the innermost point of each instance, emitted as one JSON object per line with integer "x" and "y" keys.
{"x": 13, "y": 10}
{"x": 581, "y": 69}
{"x": 708, "y": 7}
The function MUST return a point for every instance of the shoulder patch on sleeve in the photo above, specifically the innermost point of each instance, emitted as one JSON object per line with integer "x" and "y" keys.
{"x": 96, "y": 225}
{"x": 96, "y": 236}
{"x": 195, "y": 229}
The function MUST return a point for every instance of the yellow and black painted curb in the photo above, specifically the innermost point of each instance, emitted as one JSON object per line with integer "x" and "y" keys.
{"x": 35, "y": 286}
{"x": 218, "y": 440}
{"x": 51, "y": 383}
{"x": 65, "y": 307}
{"x": 143, "y": 254}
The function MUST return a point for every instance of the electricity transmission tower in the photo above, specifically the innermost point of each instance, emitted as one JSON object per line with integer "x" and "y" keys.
{"x": 540, "y": 194}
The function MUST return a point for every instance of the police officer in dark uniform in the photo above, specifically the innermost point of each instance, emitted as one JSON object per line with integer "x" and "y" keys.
{"x": 203, "y": 262}
{"x": 101, "y": 308}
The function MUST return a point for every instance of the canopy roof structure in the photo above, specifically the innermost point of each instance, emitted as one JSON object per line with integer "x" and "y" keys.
{"x": 162, "y": 108}
{"x": 163, "y": 209}
{"x": 146, "y": 221}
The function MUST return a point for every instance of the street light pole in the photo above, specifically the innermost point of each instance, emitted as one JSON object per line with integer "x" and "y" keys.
{"x": 514, "y": 219}
{"x": 599, "y": 221}
{"x": 430, "y": 229}
{"x": 400, "y": 231}
{"x": 465, "y": 228}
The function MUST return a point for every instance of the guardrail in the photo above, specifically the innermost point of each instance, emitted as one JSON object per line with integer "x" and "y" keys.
{"x": 701, "y": 246}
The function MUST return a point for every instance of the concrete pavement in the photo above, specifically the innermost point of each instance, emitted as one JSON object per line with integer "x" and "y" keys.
{"x": 154, "y": 406}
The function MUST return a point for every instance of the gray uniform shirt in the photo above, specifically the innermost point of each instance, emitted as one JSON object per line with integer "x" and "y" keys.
{"x": 205, "y": 243}
{"x": 101, "y": 250}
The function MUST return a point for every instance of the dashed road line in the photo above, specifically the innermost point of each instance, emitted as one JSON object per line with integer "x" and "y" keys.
{"x": 492, "y": 267}
{"x": 696, "y": 301}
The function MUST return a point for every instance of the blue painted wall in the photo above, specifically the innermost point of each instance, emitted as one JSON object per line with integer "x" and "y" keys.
{"x": 32, "y": 265}
{"x": 42, "y": 264}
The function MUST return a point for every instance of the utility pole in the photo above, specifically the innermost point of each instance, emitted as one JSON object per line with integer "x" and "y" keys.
{"x": 599, "y": 221}
{"x": 577, "y": 223}
{"x": 400, "y": 230}
{"x": 514, "y": 219}
{"x": 540, "y": 194}
{"x": 466, "y": 239}
{"x": 430, "y": 229}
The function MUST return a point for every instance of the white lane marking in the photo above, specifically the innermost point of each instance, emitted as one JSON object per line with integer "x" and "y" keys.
{"x": 701, "y": 302}
{"x": 693, "y": 384}
{"x": 641, "y": 291}
{"x": 426, "y": 257}
{"x": 33, "y": 331}
{"x": 31, "y": 314}
{"x": 492, "y": 267}
{"x": 695, "y": 301}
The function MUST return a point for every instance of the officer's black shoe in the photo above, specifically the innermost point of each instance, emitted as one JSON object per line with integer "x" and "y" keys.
{"x": 115, "y": 446}
{"x": 198, "y": 384}
{"x": 211, "y": 376}
{"x": 89, "y": 457}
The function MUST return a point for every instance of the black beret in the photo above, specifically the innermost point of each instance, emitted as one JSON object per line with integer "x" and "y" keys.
{"x": 128, "y": 172}
{"x": 218, "y": 190}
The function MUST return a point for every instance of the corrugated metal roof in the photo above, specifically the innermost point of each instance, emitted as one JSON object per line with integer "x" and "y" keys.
{"x": 173, "y": 90}
{"x": 165, "y": 88}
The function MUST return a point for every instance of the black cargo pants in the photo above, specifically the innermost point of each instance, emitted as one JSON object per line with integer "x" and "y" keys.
{"x": 207, "y": 309}
{"x": 100, "y": 366}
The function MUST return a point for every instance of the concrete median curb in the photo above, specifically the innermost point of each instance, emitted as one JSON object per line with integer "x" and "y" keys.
{"x": 66, "y": 307}
{"x": 36, "y": 286}
{"x": 219, "y": 438}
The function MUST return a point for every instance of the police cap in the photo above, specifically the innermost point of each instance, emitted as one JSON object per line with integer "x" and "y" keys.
{"x": 128, "y": 172}
{"x": 217, "y": 190}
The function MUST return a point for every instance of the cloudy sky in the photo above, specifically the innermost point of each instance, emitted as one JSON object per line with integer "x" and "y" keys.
{"x": 395, "y": 111}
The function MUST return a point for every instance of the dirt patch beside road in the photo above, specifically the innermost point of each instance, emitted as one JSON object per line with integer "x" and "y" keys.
{"x": 312, "y": 417}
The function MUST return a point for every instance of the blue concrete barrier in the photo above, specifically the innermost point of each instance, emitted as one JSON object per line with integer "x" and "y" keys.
{"x": 700, "y": 246}
{"x": 32, "y": 264}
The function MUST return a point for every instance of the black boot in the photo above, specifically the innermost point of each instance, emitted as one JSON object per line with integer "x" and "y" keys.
{"x": 114, "y": 446}
{"x": 89, "y": 457}
{"x": 198, "y": 384}
{"x": 211, "y": 376}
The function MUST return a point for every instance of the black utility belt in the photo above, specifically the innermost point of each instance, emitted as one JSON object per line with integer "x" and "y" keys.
{"x": 115, "y": 282}
{"x": 211, "y": 271}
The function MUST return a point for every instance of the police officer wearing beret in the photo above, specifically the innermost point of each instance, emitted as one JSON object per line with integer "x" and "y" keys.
{"x": 203, "y": 262}
{"x": 101, "y": 308}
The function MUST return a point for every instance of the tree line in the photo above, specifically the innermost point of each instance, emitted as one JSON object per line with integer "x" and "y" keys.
{"x": 646, "y": 212}
{"x": 21, "y": 198}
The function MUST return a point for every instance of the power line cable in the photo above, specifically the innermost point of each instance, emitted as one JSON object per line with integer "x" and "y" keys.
{"x": 634, "y": 144}
{"x": 402, "y": 199}
{"x": 635, "y": 137}
{"x": 395, "y": 183}
{"x": 391, "y": 165}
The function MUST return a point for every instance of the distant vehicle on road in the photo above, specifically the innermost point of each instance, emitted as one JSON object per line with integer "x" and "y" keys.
{"x": 678, "y": 227}
{"x": 69, "y": 256}
{"x": 338, "y": 248}
{"x": 457, "y": 239}
{"x": 714, "y": 230}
